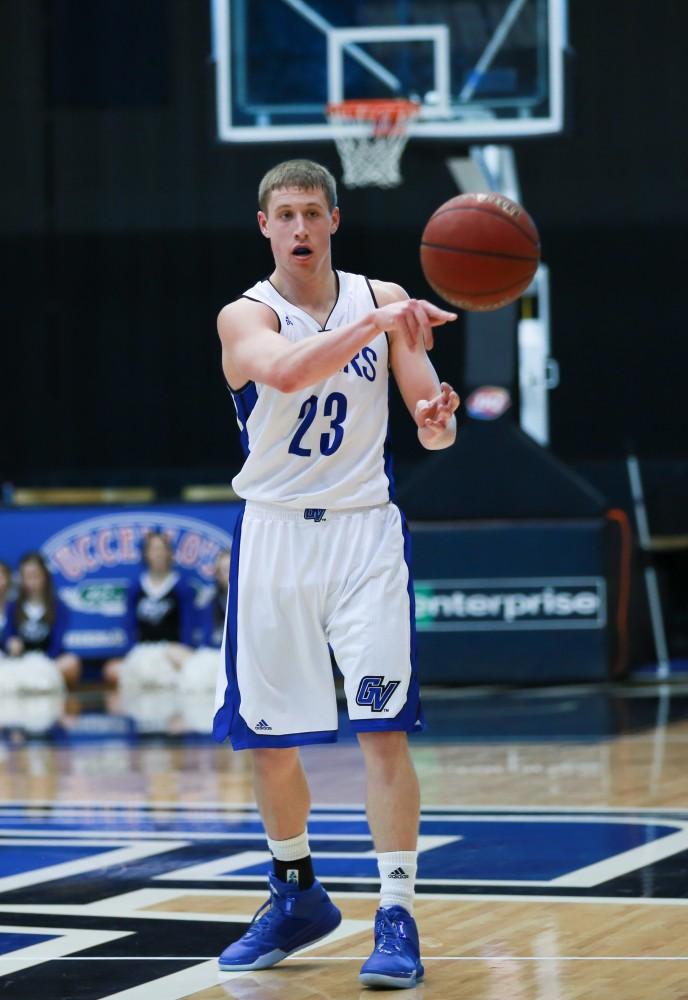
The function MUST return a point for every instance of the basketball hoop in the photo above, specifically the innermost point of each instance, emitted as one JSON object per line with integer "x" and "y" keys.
{"x": 370, "y": 137}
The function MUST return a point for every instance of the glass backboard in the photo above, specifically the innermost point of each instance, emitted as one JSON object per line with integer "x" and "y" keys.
{"x": 480, "y": 69}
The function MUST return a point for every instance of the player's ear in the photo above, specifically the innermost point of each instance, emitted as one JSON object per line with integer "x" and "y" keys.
{"x": 334, "y": 225}
{"x": 263, "y": 224}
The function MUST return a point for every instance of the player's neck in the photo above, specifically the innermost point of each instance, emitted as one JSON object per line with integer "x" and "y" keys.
{"x": 316, "y": 294}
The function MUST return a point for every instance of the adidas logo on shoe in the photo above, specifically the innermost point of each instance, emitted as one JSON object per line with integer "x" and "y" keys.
{"x": 262, "y": 726}
{"x": 398, "y": 873}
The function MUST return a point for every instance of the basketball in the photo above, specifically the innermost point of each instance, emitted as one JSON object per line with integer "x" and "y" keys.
{"x": 480, "y": 251}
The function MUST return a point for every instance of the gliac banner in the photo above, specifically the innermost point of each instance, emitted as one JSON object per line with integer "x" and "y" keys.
{"x": 94, "y": 555}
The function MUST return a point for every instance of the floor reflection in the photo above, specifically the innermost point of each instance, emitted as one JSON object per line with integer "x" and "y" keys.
{"x": 558, "y": 868}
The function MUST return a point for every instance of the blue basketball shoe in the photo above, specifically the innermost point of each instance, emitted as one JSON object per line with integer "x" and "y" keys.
{"x": 395, "y": 961}
{"x": 290, "y": 919}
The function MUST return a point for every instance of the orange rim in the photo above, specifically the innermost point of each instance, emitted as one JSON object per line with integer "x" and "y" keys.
{"x": 374, "y": 109}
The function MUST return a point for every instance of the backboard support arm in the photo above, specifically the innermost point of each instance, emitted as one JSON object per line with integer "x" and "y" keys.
{"x": 494, "y": 168}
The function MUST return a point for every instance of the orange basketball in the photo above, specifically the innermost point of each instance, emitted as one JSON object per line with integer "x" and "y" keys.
{"x": 480, "y": 251}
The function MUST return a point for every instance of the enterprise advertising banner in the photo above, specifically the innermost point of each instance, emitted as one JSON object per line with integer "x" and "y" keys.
{"x": 511, "y": 605}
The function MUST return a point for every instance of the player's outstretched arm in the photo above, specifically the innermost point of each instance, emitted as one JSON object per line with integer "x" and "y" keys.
{"x": 252, "y": 349}
{"x": 431, "y": 404}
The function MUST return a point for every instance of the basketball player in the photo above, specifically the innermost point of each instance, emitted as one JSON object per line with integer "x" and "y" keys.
{"x": 320, "y": 556}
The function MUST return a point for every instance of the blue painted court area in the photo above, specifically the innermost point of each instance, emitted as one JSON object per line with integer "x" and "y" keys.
{"x": 17, "y": 858}
{"x": 492, "y": 848}
{"x": 538, "y": 851}
{"x": 9, "y": 941}
{"x": 498, "y": 850}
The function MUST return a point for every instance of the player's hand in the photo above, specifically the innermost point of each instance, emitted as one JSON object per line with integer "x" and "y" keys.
{"x": 413, "y": 319}
{"x": 433, "y": 415}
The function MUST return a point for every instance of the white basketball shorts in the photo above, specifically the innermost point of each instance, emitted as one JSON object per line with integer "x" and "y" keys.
{"x": 300, "y": 580}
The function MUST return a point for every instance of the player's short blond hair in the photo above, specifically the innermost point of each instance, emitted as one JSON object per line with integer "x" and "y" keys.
{"x": 304, "y": 174}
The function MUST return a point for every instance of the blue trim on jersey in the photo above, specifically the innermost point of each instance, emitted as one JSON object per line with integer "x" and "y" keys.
{"x": 244, "y": 400}
{"x": 410, "y": 719}
{"x": 387, "y": 456}
{"x": 224, "y": 717}
{"x": 336, "y": 301}
{"x": 374, "y": 298}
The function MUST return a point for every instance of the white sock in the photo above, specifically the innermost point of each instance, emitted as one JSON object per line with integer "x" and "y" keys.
{"x": 397, "y": 878}
{"x": 290, "y": 850}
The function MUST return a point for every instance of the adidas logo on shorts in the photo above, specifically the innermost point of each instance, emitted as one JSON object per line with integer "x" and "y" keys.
{"x": 262, "y": 726}
{"x": 398, "y": 873}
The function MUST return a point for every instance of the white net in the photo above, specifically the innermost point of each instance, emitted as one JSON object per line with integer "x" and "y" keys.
{"x": 370, "y": 138}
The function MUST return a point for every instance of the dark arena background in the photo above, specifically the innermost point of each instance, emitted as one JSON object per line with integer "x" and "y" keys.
{"x": 550, "y": 542}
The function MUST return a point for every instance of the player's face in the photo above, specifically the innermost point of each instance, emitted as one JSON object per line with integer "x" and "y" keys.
{"x": 4, "y": 583}
{"x": 299, "y": 225}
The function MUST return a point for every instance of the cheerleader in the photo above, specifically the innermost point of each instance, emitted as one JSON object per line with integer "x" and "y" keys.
{"x": 36, "y": 621}
{"x": 159, "y": 621}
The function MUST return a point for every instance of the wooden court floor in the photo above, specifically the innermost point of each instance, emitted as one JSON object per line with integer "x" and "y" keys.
{"x": 554, "y": 856}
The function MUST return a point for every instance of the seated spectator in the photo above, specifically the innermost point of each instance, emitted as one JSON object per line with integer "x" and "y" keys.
{"x": 158, "y": 617}
{"x": 5, "y": 588}
{"x": 213, "y": 632}
{"x": 37, "y": 619}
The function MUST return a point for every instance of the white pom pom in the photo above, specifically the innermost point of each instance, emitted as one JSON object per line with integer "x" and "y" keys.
{"x": 199, "y": 671}
{"x": 32, "y": 673}
{"x": 148, "y": 665}
{"x": 9, "y": 676}
{"x": 197, "y": 710}
{"x": 34, "y": 713}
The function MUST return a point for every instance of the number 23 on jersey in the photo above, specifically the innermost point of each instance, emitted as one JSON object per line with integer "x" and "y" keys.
{"x": 334, "y": 407}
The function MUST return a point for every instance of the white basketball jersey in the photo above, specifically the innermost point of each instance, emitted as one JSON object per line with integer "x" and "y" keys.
{"x": 325, "y": 445}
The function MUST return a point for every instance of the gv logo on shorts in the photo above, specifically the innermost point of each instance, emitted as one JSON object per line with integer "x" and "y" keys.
{"x": 372, "y": 693}
{"x": 316, "y": 514}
